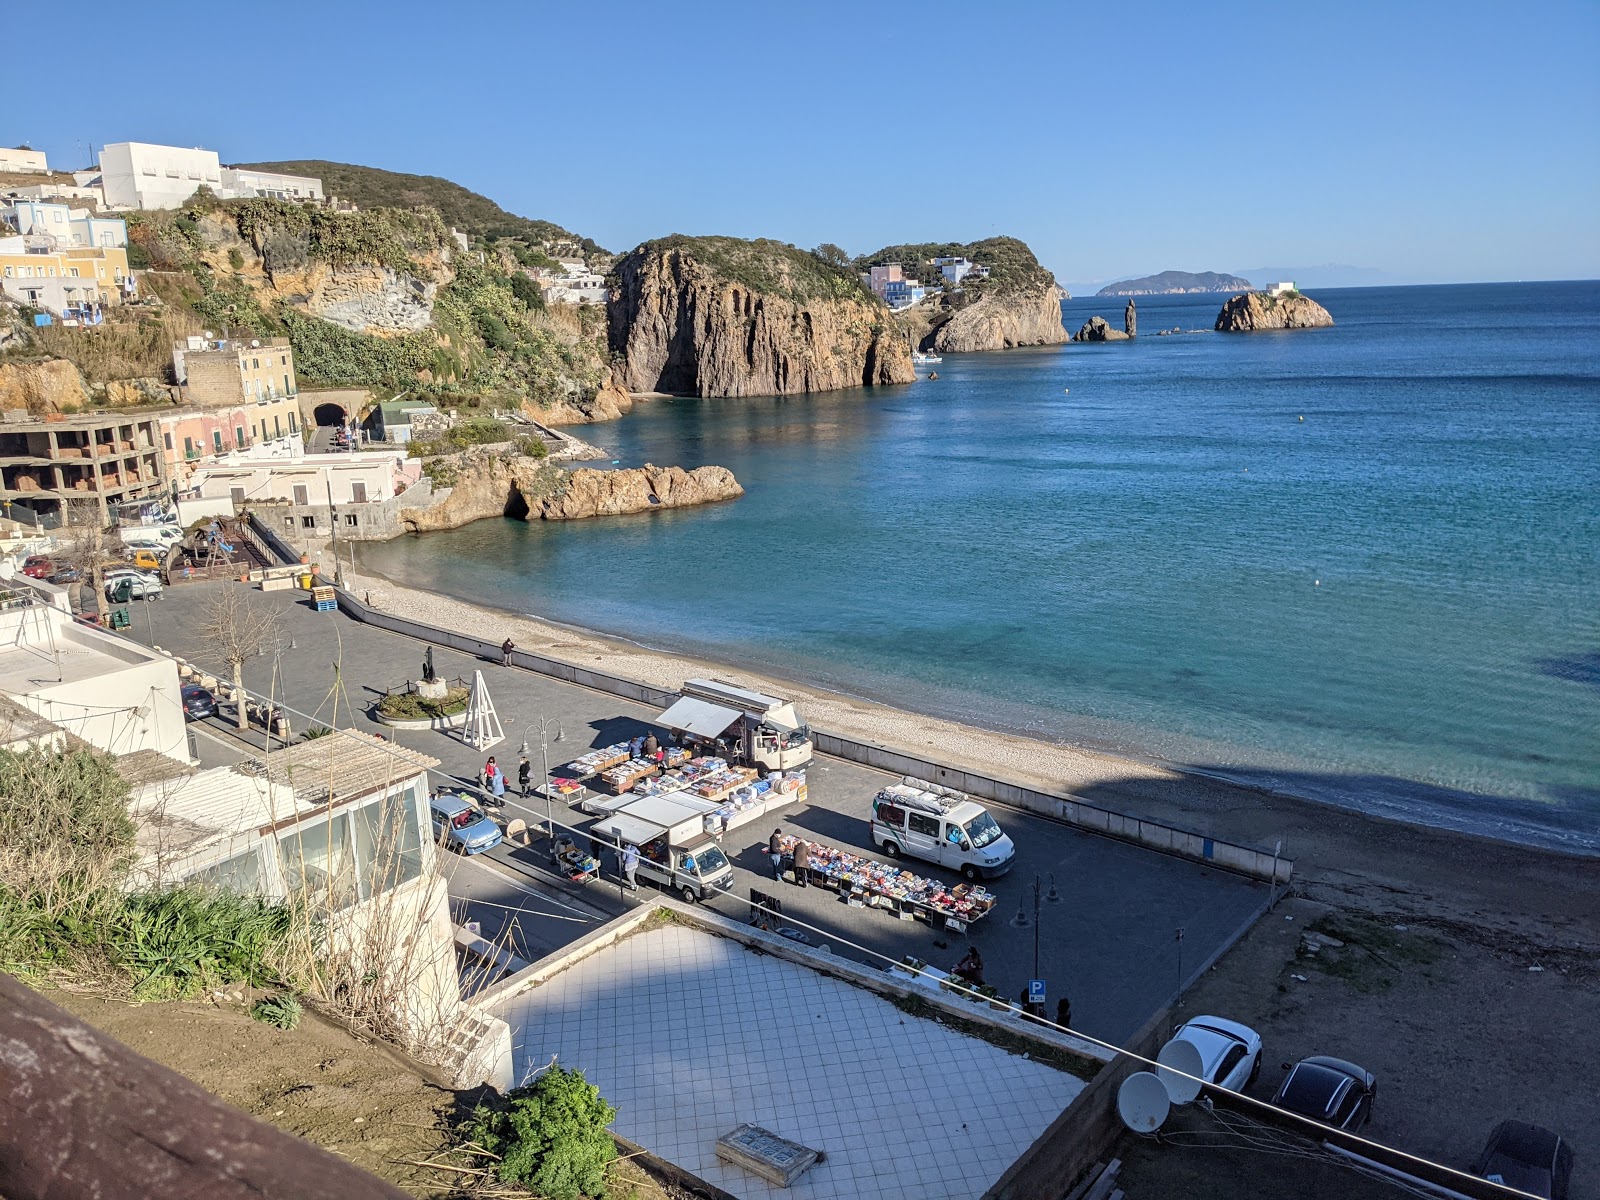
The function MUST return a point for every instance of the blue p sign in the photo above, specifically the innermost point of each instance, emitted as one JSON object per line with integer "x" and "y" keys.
{"x": 1035, "y": 991}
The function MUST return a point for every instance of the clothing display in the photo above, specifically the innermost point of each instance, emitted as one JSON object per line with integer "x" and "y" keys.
{"x": 865, "y": 882}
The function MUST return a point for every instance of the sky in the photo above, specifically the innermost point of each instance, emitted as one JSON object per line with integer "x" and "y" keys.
{"x": 1431, "y": 142}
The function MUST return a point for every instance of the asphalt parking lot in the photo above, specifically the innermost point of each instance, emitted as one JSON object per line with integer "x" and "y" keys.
{"x": 1111, "y": 941}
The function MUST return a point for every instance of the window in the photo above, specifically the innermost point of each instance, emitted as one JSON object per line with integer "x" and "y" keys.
{"x": 283, "y": 361}
{"x": 255, "y": 364}
{"x": 237, "y": 493}
{"x": 890, "y": 814}
{"x": 318, "y": 863}
{"x": 286, "y": 383}
{"x": 293, "y": 425}
{"x": 107, "y": 239}
{"x": 167, "y": 438}
{"x": 216, "y": 440}
{"x": 238, "y": 435}
{"x": 922, "y": 824}
{"x": 289, "y": 521}
{"x": 388, "y": 843}
{"x": 72, "y": 272}
{"x": 277, "y": 426}
{"x": 350, "y": 520}
{"x": 308, "y": 522}
{"x": 358, "y": 492}
{"x": 240, "y": 875}
{"x": 188, "y": 447}
{"x": 254, "y": 430}
{"x": 1230, "y": 1060}
{"x": 302, "y": 494}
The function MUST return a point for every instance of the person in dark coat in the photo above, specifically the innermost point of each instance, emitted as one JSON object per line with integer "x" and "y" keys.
{"x": 802, "y": 856}
{"x": 524, "y": 774}
{"x": 776, "y": 851}
{"x": 651, "y": 746}
{"x": 1064, "y": 1013}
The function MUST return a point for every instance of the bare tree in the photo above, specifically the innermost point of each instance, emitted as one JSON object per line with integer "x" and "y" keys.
{"x": 87, "y": 551}
{"x": 237, "y": 628}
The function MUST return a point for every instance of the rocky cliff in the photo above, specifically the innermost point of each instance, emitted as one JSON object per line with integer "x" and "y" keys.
{"x": 1010, "y": 301}
{"x": 720, "y": 316}
{"x": 1257, "y": 310}
{"x": 492, "y": 485}
{"x": 1097, "y": 329}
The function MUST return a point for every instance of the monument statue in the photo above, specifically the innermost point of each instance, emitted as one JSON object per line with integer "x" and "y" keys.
{"x": 427, "y": 665}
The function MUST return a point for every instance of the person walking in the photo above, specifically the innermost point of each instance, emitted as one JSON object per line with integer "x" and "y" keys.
{"x": 1064, "y": 1013}
{"x": 802, "y": 859}
{"x": 775, "y": 850}
{"x": 486, "y": 776}
{"x": 524, "y": 775}
{"x": 506, "y": 648}
{"x": 630, "y": 864}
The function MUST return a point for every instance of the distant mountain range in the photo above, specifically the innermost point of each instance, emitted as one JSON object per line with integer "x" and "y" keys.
{"x": 1173, "y": 282}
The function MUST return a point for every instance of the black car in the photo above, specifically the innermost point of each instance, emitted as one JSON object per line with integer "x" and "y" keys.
{"x": 1329, "y": 1090}
{"x": 1527, "y": 1157}
{"x": 198, "y": 702}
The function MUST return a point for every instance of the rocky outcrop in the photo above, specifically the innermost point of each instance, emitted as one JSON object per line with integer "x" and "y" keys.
{"x": 1004, "y": 320}
{"x": 725, "y": 317}
{"x": 42, "y": 388}
{"x": 491, "y": 485}
{"x": 1130, "y": 320}
{"x": 607, "y": 404}
{"x": 1257, "y": 310}
{"x": 1096, "y": 329}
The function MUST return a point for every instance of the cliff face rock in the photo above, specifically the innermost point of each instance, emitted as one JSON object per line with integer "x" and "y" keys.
{"x": 725, "y": 317}
{"x": 609, "y": 403}
{"x": 1257, "y": 310}
{"x": 491, "y": 486}
{"x": 1003, "y": 320}
{"x": 41, "y": 388}
{"x": 1096, "y": 329}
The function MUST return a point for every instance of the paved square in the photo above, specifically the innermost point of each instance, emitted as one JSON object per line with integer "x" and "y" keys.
{"x": 690, "y": 1035}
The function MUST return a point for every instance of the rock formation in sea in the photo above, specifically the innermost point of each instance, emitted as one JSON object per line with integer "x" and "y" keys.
{"x": 717, "y": 316}
{"x": 1097, "y": 329}
{"x": 494, "y": 485}
{"x": 1130, "y": 320}
{"x": 1259, "y": 310}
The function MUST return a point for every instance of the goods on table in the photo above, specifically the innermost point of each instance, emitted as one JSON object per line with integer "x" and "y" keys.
{"x": 598, "y": 760}
{"x": 864, "y": 882}
{"x": 576, "y": 864}
{"x": 623, "y": 776}
{"x": 721, "y": 784}
{"x": 661, "y": 785}
{"x": 676, "y": 756}
{"x": 566, "y": 787}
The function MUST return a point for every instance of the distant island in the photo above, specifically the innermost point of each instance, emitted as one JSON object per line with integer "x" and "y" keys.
{"x": 1173, "y": 282}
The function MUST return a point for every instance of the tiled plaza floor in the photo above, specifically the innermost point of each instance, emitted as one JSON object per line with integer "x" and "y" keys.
{"x": 690, "y": 1035}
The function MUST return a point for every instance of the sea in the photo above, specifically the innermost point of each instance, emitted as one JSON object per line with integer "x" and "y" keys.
{"x": 1359, "y": 565}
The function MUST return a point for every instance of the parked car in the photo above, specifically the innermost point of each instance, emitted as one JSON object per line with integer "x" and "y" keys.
{"x": 1329, "y": 1090}
{"x": 141, "y": 586}
{"x": 64, "y": 575}
{"x": 1527, "y": 1157}
{"x": 146, "y": 559}
{"x": 37, "y": 566}
{"x": 460, "y": 827}
{"x": 1230, "y": 1053}
{"x": 198, "y": 702}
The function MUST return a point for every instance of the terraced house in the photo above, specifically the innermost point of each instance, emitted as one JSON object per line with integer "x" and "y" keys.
{"x": 255, "y": 374}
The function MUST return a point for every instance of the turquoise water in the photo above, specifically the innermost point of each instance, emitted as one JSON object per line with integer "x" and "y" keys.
{"x": 1392, "y": 603}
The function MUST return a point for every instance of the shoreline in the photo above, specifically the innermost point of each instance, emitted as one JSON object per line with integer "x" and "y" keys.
{"x": 1507, "y": 893}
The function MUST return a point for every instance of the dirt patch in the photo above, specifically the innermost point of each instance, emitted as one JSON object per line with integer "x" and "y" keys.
{"x": 359, "y": 1099}
{"x": 1457, "y": 1028}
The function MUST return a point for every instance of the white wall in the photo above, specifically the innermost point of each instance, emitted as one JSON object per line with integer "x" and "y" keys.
{"x": 22, "y": 160}
{"x": 140, "y": 175}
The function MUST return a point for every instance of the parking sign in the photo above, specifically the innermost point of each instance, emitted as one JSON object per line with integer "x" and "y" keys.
{"x": 1035, "y": 991}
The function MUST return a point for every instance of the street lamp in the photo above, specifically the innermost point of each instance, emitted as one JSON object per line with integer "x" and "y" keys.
{"x": 543, "y": 724}
{"x": 1022, "y": 920}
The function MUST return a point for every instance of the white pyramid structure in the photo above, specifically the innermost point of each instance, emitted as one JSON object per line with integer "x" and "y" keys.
{"x": 482, "y": 729}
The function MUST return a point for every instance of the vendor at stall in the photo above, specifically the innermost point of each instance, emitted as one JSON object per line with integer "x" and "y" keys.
{"x": 970, "y": 968}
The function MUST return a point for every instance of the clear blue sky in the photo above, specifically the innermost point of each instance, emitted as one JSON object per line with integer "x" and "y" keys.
{"x": 1435, "y": 142}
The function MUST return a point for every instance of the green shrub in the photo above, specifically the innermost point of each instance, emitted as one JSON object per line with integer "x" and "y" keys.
{"x": 529, "y": 292}
{"x": 236, "y": 259}
{"x": 550, "y": 1137}
{"x": 408, "y": 706}
{"x": 282, "y": 1010}
{"x": 532, "y": 447}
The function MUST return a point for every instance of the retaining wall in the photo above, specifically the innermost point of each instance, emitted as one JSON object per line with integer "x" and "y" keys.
{"x": 1246, "y": 860}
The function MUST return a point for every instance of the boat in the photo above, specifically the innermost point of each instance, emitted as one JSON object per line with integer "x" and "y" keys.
{"x": 925, "y": 360}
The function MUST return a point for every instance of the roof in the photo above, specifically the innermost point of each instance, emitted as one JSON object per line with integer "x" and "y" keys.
{"x": 699, "y": 717}
{"x": 344, "y": 765}
{"x": 629, "y": 829}
{"x": 20, "y": 724}
{"x": 760, "y": 701}
{"x": 178, "y": 818}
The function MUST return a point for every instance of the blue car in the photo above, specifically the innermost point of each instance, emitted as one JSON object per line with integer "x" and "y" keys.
{"x": 459, "y": 826}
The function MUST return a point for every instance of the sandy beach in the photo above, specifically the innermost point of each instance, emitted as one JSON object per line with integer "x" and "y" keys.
{"x": 1498, "y": 893}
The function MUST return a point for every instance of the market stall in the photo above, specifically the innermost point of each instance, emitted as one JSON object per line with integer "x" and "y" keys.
{"x": 622, "y": 777}
{"x": 589, "y": 765}
{"x": 576, "y": 864}
{"x": 863, "y": 883}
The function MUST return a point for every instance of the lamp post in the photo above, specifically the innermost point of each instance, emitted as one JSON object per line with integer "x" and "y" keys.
{"x": 1022, "y": 920}
{"x": 543, "y": 725}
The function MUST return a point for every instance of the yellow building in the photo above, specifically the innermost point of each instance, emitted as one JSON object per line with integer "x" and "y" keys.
{"x": 34, "y": 271}
{"x": 218, "y": 372}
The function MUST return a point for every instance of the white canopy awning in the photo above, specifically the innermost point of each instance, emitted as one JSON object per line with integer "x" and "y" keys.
{"x": 629, "y": 829}
{"x": 699, "y": 717}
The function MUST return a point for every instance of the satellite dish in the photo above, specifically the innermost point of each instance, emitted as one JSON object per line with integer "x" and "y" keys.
{"x": 1179, "y": 1060}
{"x": 1142, "y": 1102}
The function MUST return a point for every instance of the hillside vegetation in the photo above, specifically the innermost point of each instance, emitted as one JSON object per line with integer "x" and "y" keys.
{"x": 766, "y": 266}
{"x": 373, "y": 187}
{"x": 1012, "y": 265}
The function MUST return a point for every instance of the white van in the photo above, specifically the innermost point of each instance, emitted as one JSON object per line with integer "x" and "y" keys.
{"x": 958, "y": 834}
{"x": 151, "y": 537}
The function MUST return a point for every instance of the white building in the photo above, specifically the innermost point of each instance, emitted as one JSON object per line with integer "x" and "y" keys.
{"x": 282, "y": 473}
{"x": 69, "y": 226}
{"x": 23, "y": 160}
{"x": 341, "y": 824}
{"x": 57, "y": 191}
{"x": 109, "y": 691}
{"x": 243, "y": 183}
{"x": 1282, "y": 289}
{"x": 141, "y": 175}
{"x": 578, "y": 285}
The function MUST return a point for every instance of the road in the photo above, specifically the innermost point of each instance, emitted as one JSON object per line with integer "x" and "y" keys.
{"x": 1109, "y": 943}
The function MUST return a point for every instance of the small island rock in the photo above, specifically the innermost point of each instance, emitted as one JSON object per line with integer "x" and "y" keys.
{"x": 1097, "y": 329}
{"x": 1261, "y": 310}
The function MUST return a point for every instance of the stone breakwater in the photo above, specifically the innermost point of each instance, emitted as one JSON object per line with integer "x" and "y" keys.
{"x": 491, "y": 485}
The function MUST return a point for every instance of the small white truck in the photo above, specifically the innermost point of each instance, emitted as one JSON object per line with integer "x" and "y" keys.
{"x": 763, "y": 731}
{"x": 675, "y": 851}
